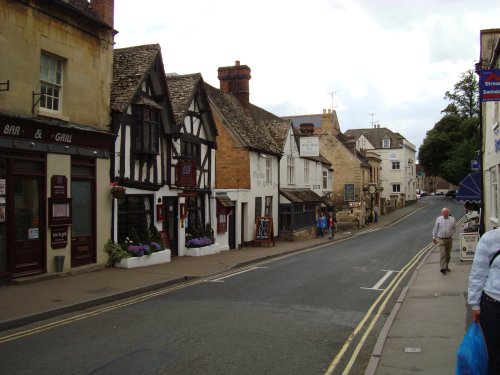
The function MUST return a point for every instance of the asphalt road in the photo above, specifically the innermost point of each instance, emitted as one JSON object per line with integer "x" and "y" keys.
{"x": 315, "y": 312}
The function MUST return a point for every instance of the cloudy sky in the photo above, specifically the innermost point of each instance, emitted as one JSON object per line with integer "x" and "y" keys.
{"x": 383, "y": 61}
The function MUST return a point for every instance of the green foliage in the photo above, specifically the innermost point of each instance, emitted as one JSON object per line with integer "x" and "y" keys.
{"x": 464, "y": 98}
{"x": 449, "y": 147}
{"x": 115, "y": 252}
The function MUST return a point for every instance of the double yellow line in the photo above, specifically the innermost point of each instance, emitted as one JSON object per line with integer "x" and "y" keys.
{"x": 383, "y": 298}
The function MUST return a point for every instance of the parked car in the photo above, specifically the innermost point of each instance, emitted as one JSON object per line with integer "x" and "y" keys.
{"x": 439, "y": 193}
{"x": 451, "y": 193}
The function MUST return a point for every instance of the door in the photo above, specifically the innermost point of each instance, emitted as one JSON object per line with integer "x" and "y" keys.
{"x": 83, "y": 242}
{"x": 171, "y": 223}
{"x": 27, "y": 237}
{"x": 232, "y": 229}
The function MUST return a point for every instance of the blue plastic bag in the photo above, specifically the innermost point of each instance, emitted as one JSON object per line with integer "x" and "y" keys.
{"x": 472, "y": 357}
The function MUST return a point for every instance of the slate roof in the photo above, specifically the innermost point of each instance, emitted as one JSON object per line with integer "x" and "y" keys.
{"x": 182, "y": 89}
{"x": 376, "y": 135}
{"x": 247, "y": 124}
{"x": 301, "y": 195}
{"x": 129, "y": 68}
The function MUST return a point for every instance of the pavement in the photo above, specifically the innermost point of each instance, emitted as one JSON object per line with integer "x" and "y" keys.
{"x": 421, "y": 334}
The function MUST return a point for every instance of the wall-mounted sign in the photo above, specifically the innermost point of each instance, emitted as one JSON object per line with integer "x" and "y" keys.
{"x": 59, "y": 186}
{"x": 354, "y": 204}
{"x": 2, "y": 186}
{"x": 349, "y": 192}
{"x": 309, "y": 146}
{"x": 489, "y": 85}
{"x": 59, "y": 238}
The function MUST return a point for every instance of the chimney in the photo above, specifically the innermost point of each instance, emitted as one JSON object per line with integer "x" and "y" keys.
{"x": 306, "y": 128}
{"x": 104, "y": 9}
{"x": 235, "y": 80}
{"x": 330, "y": 122}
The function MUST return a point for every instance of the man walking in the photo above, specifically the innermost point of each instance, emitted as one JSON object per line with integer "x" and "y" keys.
{"x": 442, "y": 234}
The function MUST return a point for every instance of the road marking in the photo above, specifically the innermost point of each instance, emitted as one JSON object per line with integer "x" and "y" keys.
{"x": 381, "y": 281}
{"x": 387, "y": 293}
{"x": 221, "y": 279}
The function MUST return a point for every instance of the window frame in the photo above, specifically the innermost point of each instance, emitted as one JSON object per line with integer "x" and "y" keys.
{"x": 141, "y": 131}
{"x": 290, "y": 161}
{"x": 396, "y": 188}
{"x": 52, "y": 84}
{"x": 396, "y": 165}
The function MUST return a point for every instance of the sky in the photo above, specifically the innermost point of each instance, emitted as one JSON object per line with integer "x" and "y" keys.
{"x": 385, "y": 62}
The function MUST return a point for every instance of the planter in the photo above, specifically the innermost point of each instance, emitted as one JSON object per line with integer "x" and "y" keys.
{"x": 146, "y": 260}
{"x": 205, "y": 250}
{"x": 118, "y": 194}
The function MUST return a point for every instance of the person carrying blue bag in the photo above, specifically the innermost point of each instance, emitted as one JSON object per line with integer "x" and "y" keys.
{"x": 484, "y": 295}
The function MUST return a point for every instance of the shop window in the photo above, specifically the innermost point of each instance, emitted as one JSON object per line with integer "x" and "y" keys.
{"x": 258, "y": 207}
{"x": 51, "y": 82}
{"x": 195, "y": 213}
{"x": 268, "y": 210}
{"x": 135, "y": 212}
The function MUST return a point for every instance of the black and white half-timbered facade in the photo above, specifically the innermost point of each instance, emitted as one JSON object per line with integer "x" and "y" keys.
{"x": 142, "y": 120}
{"x": 192, "y": 164}
{"x": 164, "y": 150}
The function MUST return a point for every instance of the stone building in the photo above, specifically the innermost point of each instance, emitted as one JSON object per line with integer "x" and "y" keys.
{"x": 55, "y": 76}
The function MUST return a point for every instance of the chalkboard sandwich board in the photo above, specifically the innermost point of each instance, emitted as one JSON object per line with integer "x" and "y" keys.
{"x": 264, "y": 232}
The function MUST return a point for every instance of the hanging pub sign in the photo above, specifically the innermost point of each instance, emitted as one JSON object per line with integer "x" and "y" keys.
{"x": 489, "y": 85}
{"x": 186, "y": 173}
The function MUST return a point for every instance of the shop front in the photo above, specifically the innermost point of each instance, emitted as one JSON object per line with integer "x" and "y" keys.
{"x": 49, "y": 194}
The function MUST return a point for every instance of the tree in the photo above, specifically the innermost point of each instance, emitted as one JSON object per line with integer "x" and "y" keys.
{"x": 449, "y": 147}
{"x": 464, "y": 98}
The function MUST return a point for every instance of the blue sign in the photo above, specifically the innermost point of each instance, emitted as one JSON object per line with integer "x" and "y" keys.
{"x": 489, "y": 85}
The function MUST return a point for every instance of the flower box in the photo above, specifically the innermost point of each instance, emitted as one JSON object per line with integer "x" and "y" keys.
{"x": 205, "y": 250}
{"x": 146, "y": 260}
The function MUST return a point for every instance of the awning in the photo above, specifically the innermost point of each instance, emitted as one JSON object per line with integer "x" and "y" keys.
{"x": 470, "y": 188}
{"x": 225, "y": 200}
{"x": 301, "y": 195}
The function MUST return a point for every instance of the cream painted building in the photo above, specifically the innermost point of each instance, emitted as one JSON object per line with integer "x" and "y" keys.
{"x": 55, "y": 75}
{"x": 490, "y": 63}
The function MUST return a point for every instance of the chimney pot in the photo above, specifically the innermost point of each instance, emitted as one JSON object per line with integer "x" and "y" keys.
{"x": 235, "y": 80}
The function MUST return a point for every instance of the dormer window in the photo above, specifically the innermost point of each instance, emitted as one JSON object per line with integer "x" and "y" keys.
{"x": 386, "y": 143}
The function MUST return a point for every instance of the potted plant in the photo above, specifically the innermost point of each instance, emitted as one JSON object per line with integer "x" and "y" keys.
{"x": 137, "y": 250}
{"x": 116, "y": 190}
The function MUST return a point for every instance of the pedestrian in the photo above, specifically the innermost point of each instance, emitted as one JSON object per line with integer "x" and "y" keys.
{"x": 375, "y": 214}
{"x": 484, "y": 294}
{"x": 442, "y": 234}
{"x": 331, "y": 226}
{"x": 321, "y": 224}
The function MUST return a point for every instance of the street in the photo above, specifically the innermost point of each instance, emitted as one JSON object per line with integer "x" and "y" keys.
{"x": 315, "y": 312}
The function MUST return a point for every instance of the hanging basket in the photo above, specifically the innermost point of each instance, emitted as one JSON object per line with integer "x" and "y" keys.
{"x": 118, "y": 193}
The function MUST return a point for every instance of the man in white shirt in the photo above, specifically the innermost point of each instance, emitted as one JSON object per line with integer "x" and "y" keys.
{"x": 442, "y": 234}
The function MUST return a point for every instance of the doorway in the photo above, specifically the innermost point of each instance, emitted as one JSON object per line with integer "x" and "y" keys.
{"x": 22, "y": 215}
{"x": 83, "y": 239}
{"x": 171, "y": 223}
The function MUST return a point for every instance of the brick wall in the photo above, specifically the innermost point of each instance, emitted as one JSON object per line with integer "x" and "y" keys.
{"x": 232, "y": 161}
